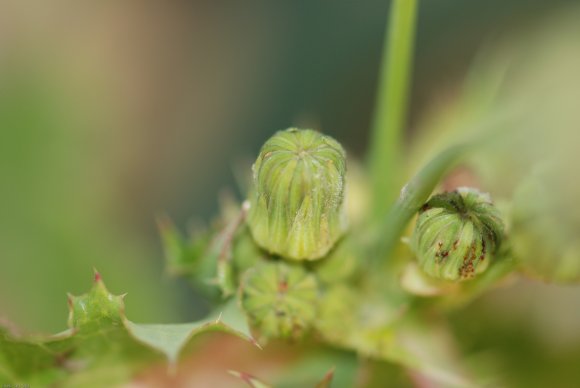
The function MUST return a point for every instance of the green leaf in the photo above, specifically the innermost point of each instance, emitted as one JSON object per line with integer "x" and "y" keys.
{"x": 101, "y": 346}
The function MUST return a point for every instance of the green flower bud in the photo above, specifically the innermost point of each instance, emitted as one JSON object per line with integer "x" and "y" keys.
{"x": 457, "y": 234}
{"x": 296, "y": 205}
{"x": 280, "y": 299}
{"x": 545, "y": 223}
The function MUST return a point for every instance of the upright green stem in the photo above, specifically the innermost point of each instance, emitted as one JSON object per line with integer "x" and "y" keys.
{"x": 391, "y": 107}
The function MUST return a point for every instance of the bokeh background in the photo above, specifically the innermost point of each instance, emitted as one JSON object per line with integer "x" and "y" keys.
{"x": 114, "y": 112}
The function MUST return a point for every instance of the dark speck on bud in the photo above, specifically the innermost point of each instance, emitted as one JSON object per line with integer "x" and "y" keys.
{"x": 296, "y": 208}
{"x": 457, "y": 234}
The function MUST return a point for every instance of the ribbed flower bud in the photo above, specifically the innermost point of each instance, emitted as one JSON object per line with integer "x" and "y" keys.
{"x": 280, "y": 299}
{"x": 296, "y": 206}
{"x": 457, "y": 234}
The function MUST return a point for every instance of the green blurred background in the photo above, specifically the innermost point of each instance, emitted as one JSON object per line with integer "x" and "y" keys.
{"x": 113, "y": 112}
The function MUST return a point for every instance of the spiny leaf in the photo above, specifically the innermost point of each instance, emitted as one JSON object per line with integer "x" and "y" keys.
{"x": 170, "y": 339}
{"x": 101, "y": 346}
{"x": 95, "y": 309}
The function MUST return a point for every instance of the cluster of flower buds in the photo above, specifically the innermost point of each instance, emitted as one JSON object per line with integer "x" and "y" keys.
{"x": 296, "y": 215}
{"x": 457, "y": 234}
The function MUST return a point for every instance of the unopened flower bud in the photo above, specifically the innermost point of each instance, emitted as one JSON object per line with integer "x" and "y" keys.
{"x": 280, "y": 299}
{"x": 457, "y": 234}
{"x": 296, "y": 206}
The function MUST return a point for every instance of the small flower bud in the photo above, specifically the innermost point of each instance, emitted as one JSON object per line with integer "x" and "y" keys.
{"x": 457, "y": 234}
{"x": 280, "y": 299}
{"x": 296, "y": 206}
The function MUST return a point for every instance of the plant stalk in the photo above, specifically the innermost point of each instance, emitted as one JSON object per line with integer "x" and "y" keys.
{"x": 392, "y": 104}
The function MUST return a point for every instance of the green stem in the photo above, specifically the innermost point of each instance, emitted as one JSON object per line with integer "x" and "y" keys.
{"x": 392, "y": 101}
{"x": 416, "y": 192}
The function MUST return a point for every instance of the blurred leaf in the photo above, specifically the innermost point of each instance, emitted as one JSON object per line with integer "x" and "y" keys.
{"x": 380, "y": 329}
{"x": 206, "y": 257}
{"x": 182, "y": 256}
{"x": 422, "y": 347}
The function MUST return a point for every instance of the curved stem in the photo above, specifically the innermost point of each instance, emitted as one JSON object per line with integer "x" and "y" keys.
{"x": 415, "y": 193}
